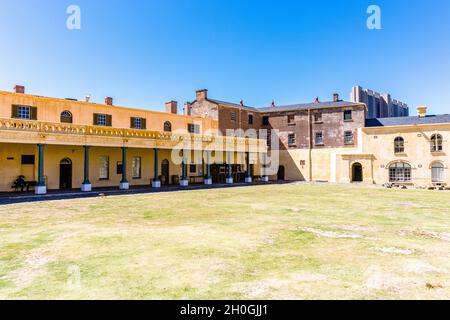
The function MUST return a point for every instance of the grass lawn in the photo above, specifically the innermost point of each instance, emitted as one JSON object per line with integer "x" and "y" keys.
{"x": 295, "y": 241}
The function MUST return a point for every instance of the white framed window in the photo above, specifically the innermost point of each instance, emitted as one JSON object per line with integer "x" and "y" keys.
{"x": 318, "y": 138}
{"x": 136, "y": 167}
{"x": 101, "y": 120}
{"x": 400, "y": 172}
{"x": 437, "y": 172}
{"x": 399, "y": 145}
{"x": 24, "y": 112}
{"x": 436, "y": 143}
{"x": 103, "y": 168}
{"x": 348, "y": 137}
{"x": 291, "y": 139}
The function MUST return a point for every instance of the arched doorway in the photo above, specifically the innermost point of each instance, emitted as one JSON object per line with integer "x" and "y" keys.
{"x": 281, "y": 173}
{"x": 65, "y": 174}
{"x": 357, "y": 172}
{"x": 165, "y": 171}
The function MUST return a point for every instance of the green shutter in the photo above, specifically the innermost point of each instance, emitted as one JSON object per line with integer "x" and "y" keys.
{"x": 95, "y": 122}
{"x": 108, "y": 120}
{"x": 14, "y": 111}
{"x": 33, "y": 113}
{"x": 132, "y": 123}
{"x": 144, "y": 124}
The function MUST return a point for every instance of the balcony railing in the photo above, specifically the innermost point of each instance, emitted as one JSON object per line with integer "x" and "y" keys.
{"x": 85, "y": 130}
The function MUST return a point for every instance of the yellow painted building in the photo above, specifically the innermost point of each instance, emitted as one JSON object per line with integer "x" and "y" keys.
{"x": 63, "y": 144}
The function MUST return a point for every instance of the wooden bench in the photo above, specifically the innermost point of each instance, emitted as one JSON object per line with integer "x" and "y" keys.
{"x": 27, "y": 185}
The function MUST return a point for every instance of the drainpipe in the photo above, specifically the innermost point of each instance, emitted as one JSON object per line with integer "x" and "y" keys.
{"x": 310, "y": 144}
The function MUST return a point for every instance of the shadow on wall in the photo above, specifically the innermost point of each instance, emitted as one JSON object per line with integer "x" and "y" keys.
{"x": 289, "y": 169}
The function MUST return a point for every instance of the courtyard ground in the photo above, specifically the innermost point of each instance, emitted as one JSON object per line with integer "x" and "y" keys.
{"x": 295, "y": 241}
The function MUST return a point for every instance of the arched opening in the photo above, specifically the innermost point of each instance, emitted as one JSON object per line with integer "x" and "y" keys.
{"x": 437, "y": 172}
{"x": 165, "y": 173}
{"x": 436, "y": 143}
{"x": 167, "y": 126}
{"x": 65, "y": 174}
{"x": 399, "y": 145}
{"x": 281, "y": 173}
{"x": 357, "y": 172}
{"x": 66, "y": 117}
{"x": 400, "y": 172}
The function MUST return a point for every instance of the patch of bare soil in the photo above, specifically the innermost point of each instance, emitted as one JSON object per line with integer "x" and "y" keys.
{"x": 396, "y": 251}
{"x": 377, "y": 279}
{"x": 354, "y": 227}
{"x": 330, "y": 234}
{"x": 426, "y": 234}
{"x": 418, "y": 266}
{"x": 34, "y": 266}
{"x": 275, "y": 287}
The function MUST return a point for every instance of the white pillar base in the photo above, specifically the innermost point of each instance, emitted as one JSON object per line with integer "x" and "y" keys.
{"x": 229, "y": 181}
{"x": 208, "y": 182}
{"x": 124, "y": 186}
{"x": 248, "y": 180}
{"x": 156, "y": 184}
{"x": 265, "y": 179}
{"x": 40, "y": 190}
{"x": 184, "y": 183}
{"x": 86, "y": 187}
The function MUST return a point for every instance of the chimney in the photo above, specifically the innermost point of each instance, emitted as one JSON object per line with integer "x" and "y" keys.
{"x": 422, "y": 111}
{"x": 317, "y": 100}
{"x": 109, "y": 101}
{"x": 187, "y": 109}
{"x": 172, "y": 107}
{"x": 202, "y": 95}
{"x": 336, "y": 97}
{"x": 19, "y": 89}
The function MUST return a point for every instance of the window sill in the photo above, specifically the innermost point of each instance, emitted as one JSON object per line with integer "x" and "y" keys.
{"x": 319, "y": 144}
{"x": 400, "y": 154}
{"x": 349, "y": 120}
{"x": 318, "y": 122}
{"x": 292, "y": 146}
{"x": 291, "y": 124}
{"x": 349, "y": 143}
{"x": 437, "y": 153}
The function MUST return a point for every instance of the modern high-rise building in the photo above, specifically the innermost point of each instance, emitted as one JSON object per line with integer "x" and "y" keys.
{"x": 379, "y": 105}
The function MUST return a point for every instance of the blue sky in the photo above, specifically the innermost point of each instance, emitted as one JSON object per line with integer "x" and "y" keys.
{"x": 144, "y": 53}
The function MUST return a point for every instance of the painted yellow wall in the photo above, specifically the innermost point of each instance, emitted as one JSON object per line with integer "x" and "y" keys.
{"x": 49, "y": 110}
{"x": 380, "y": 142}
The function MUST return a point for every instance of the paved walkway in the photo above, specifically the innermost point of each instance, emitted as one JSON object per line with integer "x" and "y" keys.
{"x": 21, "y": 197}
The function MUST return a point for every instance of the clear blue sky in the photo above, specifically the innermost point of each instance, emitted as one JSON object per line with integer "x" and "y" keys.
{"x": 144, "y": 53}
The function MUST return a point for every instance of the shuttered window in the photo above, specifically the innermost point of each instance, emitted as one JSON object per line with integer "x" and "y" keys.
{"x": 138, "y": 123}
{"x": 24, "y": 112}
{"x": 104, "y": 120}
